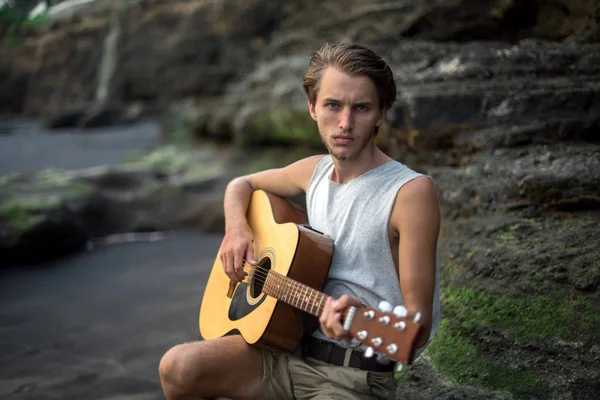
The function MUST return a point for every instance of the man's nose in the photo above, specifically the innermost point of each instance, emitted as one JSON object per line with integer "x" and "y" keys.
{"x": 345, "y": 122}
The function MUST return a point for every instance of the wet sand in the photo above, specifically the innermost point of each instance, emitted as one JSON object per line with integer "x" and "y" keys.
{"x": 94, "y": 325}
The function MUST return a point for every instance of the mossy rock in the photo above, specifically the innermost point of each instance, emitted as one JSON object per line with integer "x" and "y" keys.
{"x": 22, "y": 214}
{"x": 162, "y": 160}
{"x": 477, "y": 323}
{"x": 279, "y": 126}
{"x": 38, "y": 228}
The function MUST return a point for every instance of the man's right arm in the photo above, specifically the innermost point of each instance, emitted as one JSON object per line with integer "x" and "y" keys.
{"x": 288, "y": 181}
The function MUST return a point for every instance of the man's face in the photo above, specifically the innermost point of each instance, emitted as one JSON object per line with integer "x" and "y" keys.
{"x": 347, "y": 112}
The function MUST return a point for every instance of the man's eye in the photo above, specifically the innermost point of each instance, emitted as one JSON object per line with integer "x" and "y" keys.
{"x": 362, "y": 108}
{"x": 333, "y": 106}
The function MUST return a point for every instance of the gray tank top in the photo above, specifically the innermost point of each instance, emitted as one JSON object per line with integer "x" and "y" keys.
{"x": 356, "y": 215}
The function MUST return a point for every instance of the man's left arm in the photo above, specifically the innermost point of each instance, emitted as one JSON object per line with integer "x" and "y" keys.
{"x": 416, "y": 219}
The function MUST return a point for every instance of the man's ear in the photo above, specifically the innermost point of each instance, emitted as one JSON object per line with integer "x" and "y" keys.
{"x": 382, "y": 117}
{"x": 311, "y": 109}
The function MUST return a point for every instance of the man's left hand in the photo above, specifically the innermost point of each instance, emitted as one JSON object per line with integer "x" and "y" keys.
{"x": 331, "y": 317}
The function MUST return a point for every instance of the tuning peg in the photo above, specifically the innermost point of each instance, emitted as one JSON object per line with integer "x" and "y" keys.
{"x": 401, "y": 325}
{"x": 399, "y": 367}
{"x": 362, "y": 335}
{"x": 400, "y": 311}
{"x": 385, "y": 306}
{"x": 417, "y": 317}
{"x": 381, "y": 359}
{"x": 369, "y": 314}
{"x": 376, "y": 341}
{"x": 369, "y": 352}
{"x": 384, "y": 320}
{"x": 391, "y": 348}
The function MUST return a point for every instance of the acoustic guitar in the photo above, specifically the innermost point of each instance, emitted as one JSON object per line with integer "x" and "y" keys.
{"x": 293, "y": 262}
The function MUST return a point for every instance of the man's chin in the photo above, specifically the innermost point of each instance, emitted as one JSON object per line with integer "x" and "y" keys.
{"x": 340, "y": 156}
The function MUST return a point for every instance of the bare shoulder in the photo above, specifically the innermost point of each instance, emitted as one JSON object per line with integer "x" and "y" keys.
{"x": 309, "y": 162}
{"x": 418, "y": 190}
{"x": 302, "y": 170}
{"x": 416, "y": 205}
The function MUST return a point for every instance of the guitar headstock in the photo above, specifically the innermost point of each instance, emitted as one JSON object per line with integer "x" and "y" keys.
{"x": 391, "y": 333}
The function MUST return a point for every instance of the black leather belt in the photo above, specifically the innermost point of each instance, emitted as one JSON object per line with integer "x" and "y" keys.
{"x": 334, "y": 354}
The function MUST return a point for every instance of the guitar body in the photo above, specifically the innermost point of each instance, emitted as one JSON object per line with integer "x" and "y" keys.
{"x": 283, "y": 245}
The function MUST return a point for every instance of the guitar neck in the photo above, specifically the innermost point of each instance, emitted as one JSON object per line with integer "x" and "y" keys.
{"x": 294, "y": 293}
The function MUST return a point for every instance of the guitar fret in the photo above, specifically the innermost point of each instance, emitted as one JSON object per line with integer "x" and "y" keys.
{"x": 319, "y": 311}
{"x": 299, "y": 295}
{"x": 296, "y": 294}
{"x": 293, "y": 293}
{"x": 267, "y": 285}
{"x": 305, "y": 299}
{"x": 312, "y": 303}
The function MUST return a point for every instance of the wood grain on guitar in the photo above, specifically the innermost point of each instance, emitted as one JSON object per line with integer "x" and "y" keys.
{"x": 293, "y": 262}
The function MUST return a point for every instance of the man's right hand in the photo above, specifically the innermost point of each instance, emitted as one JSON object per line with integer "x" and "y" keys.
{"x": 237, "y": 248}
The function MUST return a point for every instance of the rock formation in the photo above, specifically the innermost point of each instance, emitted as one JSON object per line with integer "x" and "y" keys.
{"x": 499, "y": 102}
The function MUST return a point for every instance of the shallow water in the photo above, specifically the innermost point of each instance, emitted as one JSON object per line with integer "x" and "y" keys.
{"x": 26, "y": 145}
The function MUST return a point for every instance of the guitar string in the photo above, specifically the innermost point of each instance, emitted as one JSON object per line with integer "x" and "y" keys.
{"x": 263, "y": 274}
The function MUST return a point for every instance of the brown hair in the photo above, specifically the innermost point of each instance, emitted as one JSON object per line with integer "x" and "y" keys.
{"x": 352, "y": 59}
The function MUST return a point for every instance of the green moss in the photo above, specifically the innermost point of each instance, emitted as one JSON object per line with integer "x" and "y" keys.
{"x": 22, "y": 214}
{"x": 9, "y": 179}
{"x": 200, "y": 171}
{"x": 402, "y": 376}
{"x": 14, "y": 19}
{"x": 533, "y": 318}
{"x": 180, "y": 132}
{"x": 454, "y": 356}
{"x": 520, "y": 237}
{"x": 52, "y": 178}
{"x": 587, "y": 220}
{"x": 536, "y": 318}
{"x": 167, "y": 159}
{"x": 280, "y": 125}
{"x": 451, "y": 270}
{"x": 78, "y": 189}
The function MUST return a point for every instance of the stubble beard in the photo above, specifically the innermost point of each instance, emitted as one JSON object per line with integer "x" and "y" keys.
{"x": 343, "y": 157}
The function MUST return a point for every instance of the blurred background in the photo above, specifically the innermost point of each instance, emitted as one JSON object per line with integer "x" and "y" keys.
{"x": 121, "y": 122}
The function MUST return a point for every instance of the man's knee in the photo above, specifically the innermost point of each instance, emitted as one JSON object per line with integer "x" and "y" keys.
{"x": 173, "y": 367}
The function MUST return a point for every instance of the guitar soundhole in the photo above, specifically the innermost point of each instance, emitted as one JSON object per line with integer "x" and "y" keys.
{"x": 260, "y": 274}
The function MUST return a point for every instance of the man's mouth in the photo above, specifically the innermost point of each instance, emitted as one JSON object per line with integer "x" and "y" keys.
{"x": 343, "y": 139}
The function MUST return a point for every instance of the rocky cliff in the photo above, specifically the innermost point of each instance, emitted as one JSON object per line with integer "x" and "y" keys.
{"x": 499, "y": 103}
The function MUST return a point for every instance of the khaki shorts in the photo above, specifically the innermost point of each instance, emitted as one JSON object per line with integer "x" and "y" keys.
{"x": 289, "y": 376}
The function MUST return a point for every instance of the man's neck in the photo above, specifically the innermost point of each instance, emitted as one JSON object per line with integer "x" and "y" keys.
{"x": 346, "y": 170}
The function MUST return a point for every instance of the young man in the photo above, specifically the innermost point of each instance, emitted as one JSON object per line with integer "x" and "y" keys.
{"x": 384, "y": 221}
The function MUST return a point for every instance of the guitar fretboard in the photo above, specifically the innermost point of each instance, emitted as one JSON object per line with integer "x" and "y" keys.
{"x": 295, "y": 293}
